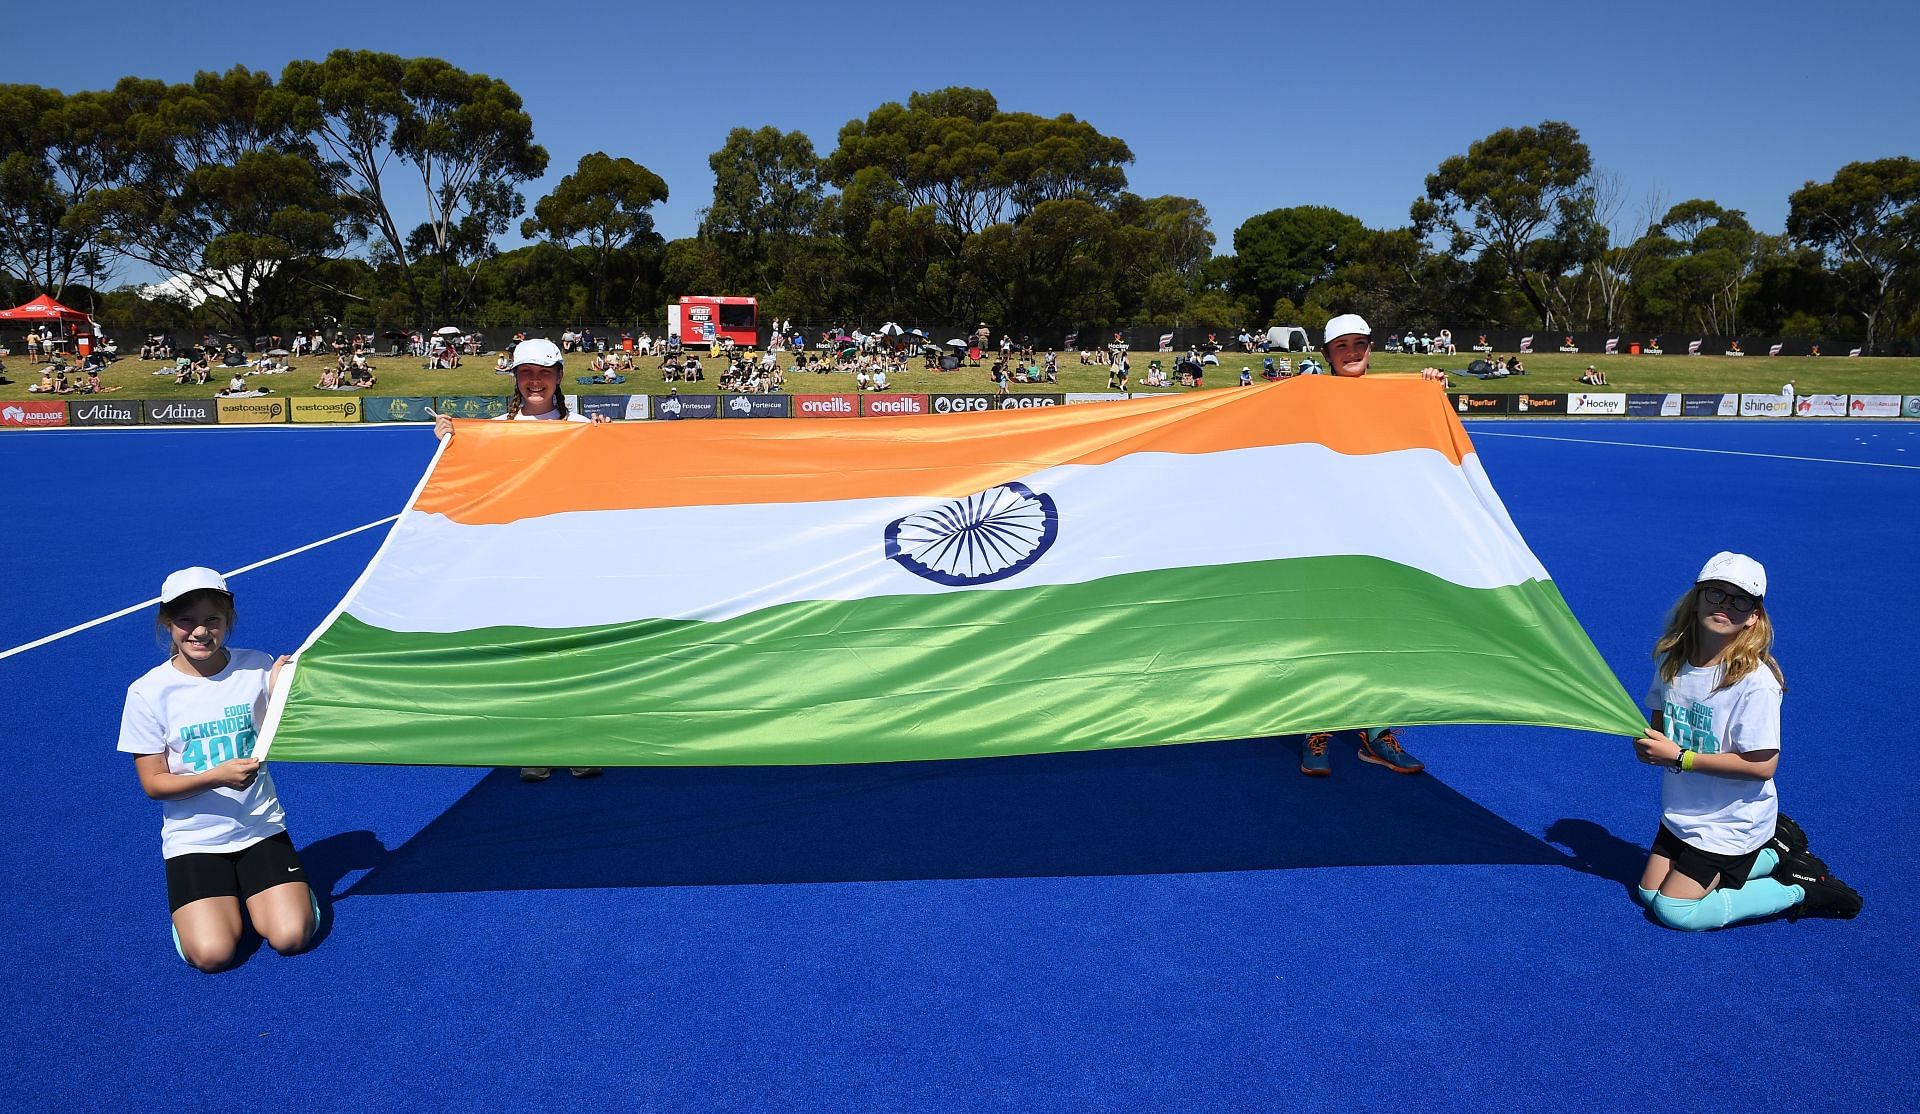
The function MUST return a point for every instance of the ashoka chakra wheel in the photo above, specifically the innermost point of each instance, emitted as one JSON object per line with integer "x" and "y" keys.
{"x": 978, "y": 539}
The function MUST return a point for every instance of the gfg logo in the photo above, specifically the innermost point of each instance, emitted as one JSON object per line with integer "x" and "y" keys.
{"x": 965, "y": 404}
{"x": 1025, "y": 402}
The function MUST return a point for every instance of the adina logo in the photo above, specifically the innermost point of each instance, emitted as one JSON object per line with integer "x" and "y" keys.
{"x": 103, "y": 412}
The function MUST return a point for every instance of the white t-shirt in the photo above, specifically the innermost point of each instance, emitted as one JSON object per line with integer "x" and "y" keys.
{"x": 553, "y": 415}
{"x": 1725, "y": 815}
{"x": 200, "y": 722}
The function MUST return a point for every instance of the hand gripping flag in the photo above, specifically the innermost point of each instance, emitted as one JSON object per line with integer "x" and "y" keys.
{"x": 1316, "y": 554}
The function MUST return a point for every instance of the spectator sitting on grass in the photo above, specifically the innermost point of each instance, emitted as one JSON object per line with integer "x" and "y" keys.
{"x": 329, "y": 379}
{"x": 1515, "y": 367}
{"x": 237, "y": 384}
{"x": 1593, "y": 377}
{"x": 359, "y": 373}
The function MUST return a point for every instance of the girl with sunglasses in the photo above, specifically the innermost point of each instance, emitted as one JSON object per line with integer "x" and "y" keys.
{"x": 1724, "y": 852}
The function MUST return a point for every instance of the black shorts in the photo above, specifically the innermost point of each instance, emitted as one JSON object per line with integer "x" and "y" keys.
{"x": 241, "y": 874}
{"x": 1705, "y": 866}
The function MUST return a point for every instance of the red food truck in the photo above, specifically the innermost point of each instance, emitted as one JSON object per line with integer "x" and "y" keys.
{"x": 701, "y": 319}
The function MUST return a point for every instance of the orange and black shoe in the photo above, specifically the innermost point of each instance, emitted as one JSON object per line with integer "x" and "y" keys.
{"x": 1384, "y": 749}
{"x": 1313, "y": 756}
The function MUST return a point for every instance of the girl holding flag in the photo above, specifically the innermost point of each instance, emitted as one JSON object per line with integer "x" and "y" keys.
{"x": 1349, "y": 344}
{"x": 1724, "y": 852}
{"x": 190, "y": 721}
{"x": 537, "y": 396}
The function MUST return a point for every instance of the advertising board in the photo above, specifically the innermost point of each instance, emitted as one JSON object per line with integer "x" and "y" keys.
{"x": 892, "y": 405}
{"x": 1539, "y": 404}
{"x": 413, "y": 409}
{"x": 1476, "y": 404}
{"x": 1709, "y": 406}
{"x": 1028, "y": 402}
{"x": 1653, "y": 406}
{"x": 960, "y": 403}
{"x": 611, "y": 407}
{"x": 32, "y": 413}
{"x": 471, "y": 406}
{"x": 677, "y": 407}
{"x": 756, "y": 406}
{"x": 180, "y": 411}
{"x": 1597, "y": 404}
{"x": 1809, "y": 406}
{"x": 826, "y": 406}
{"x": 333, "y": 411}
{"x": 1873, "y": 406}
{"x": 250, "y": 411}
{"x": 103, "y": 413}
{"x": 1081, "y": 398}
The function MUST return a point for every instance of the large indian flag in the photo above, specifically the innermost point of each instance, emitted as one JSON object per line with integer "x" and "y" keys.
{"x": 1315, "y": 554}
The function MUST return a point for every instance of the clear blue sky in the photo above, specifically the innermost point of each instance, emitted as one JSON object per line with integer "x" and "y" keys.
{"x": 1246, "y": 106}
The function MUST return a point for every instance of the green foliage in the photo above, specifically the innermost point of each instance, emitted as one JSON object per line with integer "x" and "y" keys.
{"x": 463, "y": 137}
{"x": 1868, "y": 220}
{"x": 1525, "y": 198}
{"x": 606, "y": 204}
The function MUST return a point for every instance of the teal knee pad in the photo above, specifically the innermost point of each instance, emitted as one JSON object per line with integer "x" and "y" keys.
{"x": 1689, "y": 916}
{"x": 314, "y": 896}
{"x": 178, "y": 950}
{"x": 1645, "y": 896}
{"x": 1764, "y": 865}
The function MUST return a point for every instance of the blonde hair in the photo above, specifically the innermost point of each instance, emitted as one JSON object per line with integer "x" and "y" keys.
{"x": 1750, "y": 649}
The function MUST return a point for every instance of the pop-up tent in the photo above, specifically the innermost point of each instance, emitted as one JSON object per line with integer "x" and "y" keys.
{"x": 44, "y": 308}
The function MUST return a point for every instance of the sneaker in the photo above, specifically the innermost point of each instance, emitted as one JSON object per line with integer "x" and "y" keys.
{"x": 585, "y": 771}
{"x": 1788, "y": 840}
{"x": 536, "y": 773}
{"x": 1384, "y": 750}
{"x": 1313, "y": 757}
{"x": 1826, "y": 896}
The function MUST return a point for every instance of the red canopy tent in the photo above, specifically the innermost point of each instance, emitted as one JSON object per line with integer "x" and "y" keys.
{"x": 45, "y": 308}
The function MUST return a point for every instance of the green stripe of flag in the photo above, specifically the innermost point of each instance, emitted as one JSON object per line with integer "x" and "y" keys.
{"x": 1178, "y": 655}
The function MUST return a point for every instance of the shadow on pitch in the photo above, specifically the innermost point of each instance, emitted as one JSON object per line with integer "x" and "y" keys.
{"x": 1199, "y": 807}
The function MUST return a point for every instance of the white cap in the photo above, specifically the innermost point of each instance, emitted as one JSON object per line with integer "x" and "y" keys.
{"x": 192, "y": 580}
{"x": 1345, "y": 324}
{"x": 538, "y": 352}
{"x": 1737, "y": 569}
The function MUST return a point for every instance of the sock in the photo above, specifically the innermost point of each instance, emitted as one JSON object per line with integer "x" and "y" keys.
{"x": 1757, "y": 898}
{"x": 1765, "y": 865}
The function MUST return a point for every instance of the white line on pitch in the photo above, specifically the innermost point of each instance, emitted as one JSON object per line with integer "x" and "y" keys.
{"x": 1692, "y": 449}
{"x": 58, "y": 635}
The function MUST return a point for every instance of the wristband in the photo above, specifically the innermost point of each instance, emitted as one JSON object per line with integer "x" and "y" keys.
{"x": 1686, "y": 760}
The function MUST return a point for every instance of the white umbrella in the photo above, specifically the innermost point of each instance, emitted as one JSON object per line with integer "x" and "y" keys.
{"x": 448, "y": 331}
{"x": 891, "y": 329}
{"x": 278, "y": 352}
{"x": 956, "y": 342}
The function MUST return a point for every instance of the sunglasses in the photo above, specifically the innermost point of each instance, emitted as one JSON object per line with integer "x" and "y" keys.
{"x": 1720, "y": 596}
